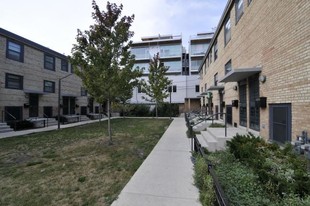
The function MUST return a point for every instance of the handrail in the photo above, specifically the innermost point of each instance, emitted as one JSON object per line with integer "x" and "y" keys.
{"x": 4, "y": 111}
{"x": 10, "y": 114}
{"x": 46, "y": 116}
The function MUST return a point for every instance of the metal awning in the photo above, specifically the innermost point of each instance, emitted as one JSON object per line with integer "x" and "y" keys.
{"x": 29, "y": 91}
{"x": 236, "y": 75}
{"x": 68, "y": 95}
{"x": 203, "y": 94}
{"x": 218, "y": 87}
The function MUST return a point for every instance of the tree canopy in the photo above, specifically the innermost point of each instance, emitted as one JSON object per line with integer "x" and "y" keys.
{"x": 156, "y": 88}
{"x": 102, "y": 59}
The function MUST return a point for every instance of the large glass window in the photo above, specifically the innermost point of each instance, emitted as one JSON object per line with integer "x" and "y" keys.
{"x": 216, "y": 79}
{"x": 170, "y": 50}
{"x": 199, "y": 49}
{"x": 195, "y": 64}
{"x": 215, "y": 50}
{"x": 15, "y": 51}
{"x": 49, "y": 86}
{"x": 228, "y": 67}
{"x": 83, "y": 91}
{"x": 141, "y": 52}
{"x": 143, "y": 65}
{"x": 64, "y": 65}
{"x": 227, "y": 29}
{"x": 13, "y": 81}
{"x": 174, "y": 66}
{"x": 49, "y": 62}
{"x": 239, "y": 9}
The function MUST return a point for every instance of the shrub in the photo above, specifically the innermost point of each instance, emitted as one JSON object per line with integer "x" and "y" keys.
{"x": 166, "y": 109}
{"x": 140, "y": 110}
{"x": 20, "y": 125}
{"x": 204, "y": 182}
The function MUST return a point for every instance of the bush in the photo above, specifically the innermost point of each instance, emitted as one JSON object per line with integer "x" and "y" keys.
{"x": 139, "y": 110}
{"x": 280, "y": 171}
{"x": 167, "y": 110}
{"x": 204, "y": 182}
{"x": 20, "y": 125}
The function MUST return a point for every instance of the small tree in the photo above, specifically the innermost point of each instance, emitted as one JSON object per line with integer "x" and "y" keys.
{"x": 102, "y": 58}
{"x": 156, "y": 88}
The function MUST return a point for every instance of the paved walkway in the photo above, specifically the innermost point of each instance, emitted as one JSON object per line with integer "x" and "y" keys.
{"x": 166, "y": 176}
{"x": 44, "y": 129}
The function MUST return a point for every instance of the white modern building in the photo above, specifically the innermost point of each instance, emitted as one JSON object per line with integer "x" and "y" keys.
{"x": 183, "y": 67}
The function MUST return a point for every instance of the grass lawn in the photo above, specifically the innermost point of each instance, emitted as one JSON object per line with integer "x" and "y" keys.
{"x": 75, "y": 166}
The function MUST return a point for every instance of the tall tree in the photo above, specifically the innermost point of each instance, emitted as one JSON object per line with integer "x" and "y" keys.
{"x": 156, "y": 88}
{"x": 102, "y": 58}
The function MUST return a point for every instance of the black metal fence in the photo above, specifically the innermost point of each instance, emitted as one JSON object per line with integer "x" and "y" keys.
{"x": 196, "y": 146}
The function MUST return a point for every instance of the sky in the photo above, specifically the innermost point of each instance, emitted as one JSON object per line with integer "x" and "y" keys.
{"x": 54, "y": 24}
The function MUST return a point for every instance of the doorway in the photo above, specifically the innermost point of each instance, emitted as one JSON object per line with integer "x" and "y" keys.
{"x": 33, "y": 105}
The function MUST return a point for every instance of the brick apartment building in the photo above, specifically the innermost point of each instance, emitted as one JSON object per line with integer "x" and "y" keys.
{"x": 257, "y": 68}
{"x": 29, "y": 76}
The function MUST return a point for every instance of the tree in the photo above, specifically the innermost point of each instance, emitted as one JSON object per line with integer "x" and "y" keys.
{"x": 102, "y": 59}
{"x": 156, "y": 88}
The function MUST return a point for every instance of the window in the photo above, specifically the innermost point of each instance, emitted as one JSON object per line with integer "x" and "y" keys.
{"x": 197, "y": 88}
{"x": 239, "y": 9}
{"x": 174, "y": 89}
{"x": 210, "y": 55}
{"x": 49, "y": 86}
{"x": 49, "y": 62}
{"x": 14, "y": 51}
{"x": 227, "y": 32}
{"x": 13, "y": 81}
{"x": 215, "y": 50}
{"x": 215, "y": 79}
{"x": 64, "y": 65}
{"x": 228, "y": 67}
{"x": 83, "y": 91}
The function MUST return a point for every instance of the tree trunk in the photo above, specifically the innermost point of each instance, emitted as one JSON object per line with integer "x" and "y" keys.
{"x": 156, "y": 110}
{"x": 109, "y": 123}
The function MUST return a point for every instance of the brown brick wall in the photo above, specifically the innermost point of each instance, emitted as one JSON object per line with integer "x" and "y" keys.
{"x": 34, "y": 74}
{"x": 274, "y": 35}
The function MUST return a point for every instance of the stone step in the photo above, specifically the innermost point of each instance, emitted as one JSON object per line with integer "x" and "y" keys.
{"x": 6, "y": 130}
{"x": 211, "y": 140}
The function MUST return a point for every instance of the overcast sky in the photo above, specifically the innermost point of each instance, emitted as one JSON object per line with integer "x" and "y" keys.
{"x": 54, "y": 23}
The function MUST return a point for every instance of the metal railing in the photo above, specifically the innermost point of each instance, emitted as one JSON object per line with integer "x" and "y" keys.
{"x": 46, "y": 116}
{"x": 221, "y": 198}
{"x": 3, "y": 112}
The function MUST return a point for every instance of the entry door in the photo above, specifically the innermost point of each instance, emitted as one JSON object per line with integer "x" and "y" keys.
{"x": 229, "y": 114}
{"x": 243, "y": 104}
{"x": 280, "y": 122}
{"x": 221, "y": 105}
{"x": 33, "y": 105}
{"x": 65, "y": 105}
{"x": 254, "y": 105}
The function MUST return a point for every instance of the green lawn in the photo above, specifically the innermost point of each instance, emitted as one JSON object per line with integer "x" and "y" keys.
{"x": 75, "y": 166}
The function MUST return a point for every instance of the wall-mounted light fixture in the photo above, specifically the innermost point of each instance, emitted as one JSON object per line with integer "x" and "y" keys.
{"x": 235, "y": 87}
{"x": 262, "y": 78}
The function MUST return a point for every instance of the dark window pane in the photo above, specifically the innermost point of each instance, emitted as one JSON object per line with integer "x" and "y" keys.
{"x": 14, "y": 51}
{"x": 49, "y": 62}
{"x": 13, "y": 81}
{"x": 49, "y": 86}
{"x": 64, "y": 65}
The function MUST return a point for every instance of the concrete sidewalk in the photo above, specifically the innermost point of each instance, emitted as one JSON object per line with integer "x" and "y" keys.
{"x": 166, "y": 176}
{"x": 50, "y": 128}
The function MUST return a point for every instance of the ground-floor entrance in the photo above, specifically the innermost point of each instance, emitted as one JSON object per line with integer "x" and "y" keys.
{"x": 68, "y": 105}
{"x": 33, "y": 105}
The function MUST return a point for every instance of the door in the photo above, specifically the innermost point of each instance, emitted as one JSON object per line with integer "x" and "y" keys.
{"x": 280, "y": 122}
{"x": 229, "y": 114}
{"x": 48, "y": 111}
{"x": 243, "y": 103}
{"x": 254, "y": 104}
{"x": 221, "y": 105}
{"x": 33, "y": 105}
{"x": 65, "y": 105}
{"x": 83, "y": 110}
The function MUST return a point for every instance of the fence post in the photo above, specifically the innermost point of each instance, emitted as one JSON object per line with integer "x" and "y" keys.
{"x": 225, "y": 124}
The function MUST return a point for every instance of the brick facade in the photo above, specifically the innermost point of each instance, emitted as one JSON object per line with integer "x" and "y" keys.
{"x": 33, "y": 73}
{"x": 273, "y": 36}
